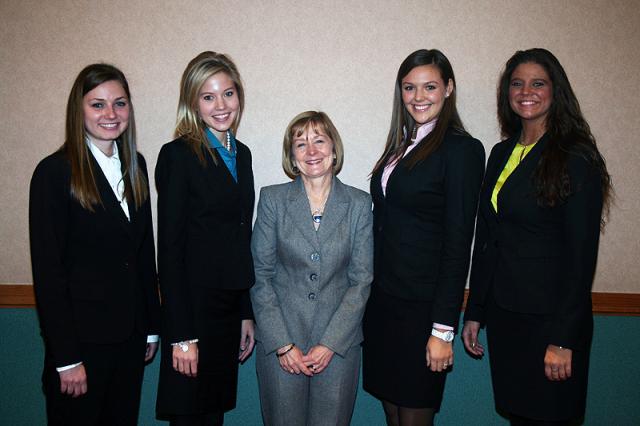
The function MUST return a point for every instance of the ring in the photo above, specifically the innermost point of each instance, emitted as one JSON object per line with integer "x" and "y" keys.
{"x": 445, "y": 365}
{"x": 555, "y": 370}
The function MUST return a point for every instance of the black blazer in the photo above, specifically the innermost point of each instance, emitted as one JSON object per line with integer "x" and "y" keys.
{"x": 94, "y": 273}
{"x": 424, "y": 226}
{"x": 533, "y": 259}
{"x": 204, "y": 231}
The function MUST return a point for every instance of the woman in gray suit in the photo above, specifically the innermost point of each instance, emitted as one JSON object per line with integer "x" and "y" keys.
{"x": 313, "y": 255}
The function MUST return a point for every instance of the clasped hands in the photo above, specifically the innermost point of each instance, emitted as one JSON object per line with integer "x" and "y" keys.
{"x": 294, "y": 361}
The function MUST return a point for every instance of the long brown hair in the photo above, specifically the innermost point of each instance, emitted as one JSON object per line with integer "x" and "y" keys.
{"x": 83, "y": 180}
{"x": 566, "y": 128}
{"x": 189, "y": 125}
{"x": 402, "y": 123}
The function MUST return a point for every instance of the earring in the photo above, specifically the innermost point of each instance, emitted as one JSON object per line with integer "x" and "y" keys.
{"x": 295, "y": 169}
{"x": 335, "y": 160}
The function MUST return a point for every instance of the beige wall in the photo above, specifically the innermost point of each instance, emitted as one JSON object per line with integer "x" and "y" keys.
{"x": 338, "y": 56}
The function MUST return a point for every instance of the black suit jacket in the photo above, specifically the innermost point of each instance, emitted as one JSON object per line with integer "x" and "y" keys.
{"x": 204, "y": 231}
{"x": 533, "y": 259}
{"x": 94, "y": 273}
{"x": 424, "y": 226}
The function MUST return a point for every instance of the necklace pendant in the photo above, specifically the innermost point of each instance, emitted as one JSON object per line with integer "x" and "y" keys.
{"x": 316, "y": 216}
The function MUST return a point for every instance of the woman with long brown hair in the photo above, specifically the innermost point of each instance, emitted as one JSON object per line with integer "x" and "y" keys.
{"x": 93, "y": 258}
{"x": 425, "y": 191}
{"x": 544, "y": 198}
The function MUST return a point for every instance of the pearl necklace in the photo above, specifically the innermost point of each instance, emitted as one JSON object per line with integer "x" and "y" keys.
{"x": 228, "y": 143}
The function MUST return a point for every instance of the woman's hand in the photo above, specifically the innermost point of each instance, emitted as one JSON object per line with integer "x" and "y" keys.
{"x": 557, "y": 363}
{"x": 439, "y": 354}
{"x": 152, "y": 347}
{"x": 292, "y": 361}
{"x": 247, "y": 339}
{"x": 470, "y": 333}
{"x": 73, "y": 381}
{"x": 318, "y": 358}
{"x": 186, "y": 362}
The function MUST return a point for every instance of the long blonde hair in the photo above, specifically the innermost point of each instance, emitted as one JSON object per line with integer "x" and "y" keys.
{"x": 189, "y": 125}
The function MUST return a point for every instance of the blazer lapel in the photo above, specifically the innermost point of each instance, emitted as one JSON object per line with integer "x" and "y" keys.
{"x": 522, "y": 174}
{"x": 299, "y": 212}
{"x": 334, "y": 211}
{"x": 215, "y": 172}
{"x": 109, "y": 200}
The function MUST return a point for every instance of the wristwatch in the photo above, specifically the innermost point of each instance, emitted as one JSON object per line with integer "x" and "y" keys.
{"x": 184, "y": 346}
{"x": 447, "y": 336}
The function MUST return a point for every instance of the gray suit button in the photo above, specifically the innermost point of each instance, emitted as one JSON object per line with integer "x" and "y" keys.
{"x": 313, "y": 277}
{"x": 315, "y": 257}
{"x": 312, "y": 296}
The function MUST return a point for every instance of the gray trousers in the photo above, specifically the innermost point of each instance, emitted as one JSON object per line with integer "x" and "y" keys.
{"x": 326, "y": 399}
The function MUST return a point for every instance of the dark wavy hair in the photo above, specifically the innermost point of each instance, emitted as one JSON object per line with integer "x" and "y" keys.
{"x": 448, "y": 118}
{"x": 566, "y": 128}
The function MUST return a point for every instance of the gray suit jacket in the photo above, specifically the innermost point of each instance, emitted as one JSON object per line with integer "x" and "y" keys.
{"x": 311, "y": 286}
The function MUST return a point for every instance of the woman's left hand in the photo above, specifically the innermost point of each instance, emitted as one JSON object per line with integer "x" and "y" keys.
{"x": 557, "y": 363}
{"x": 318, "y": 358}
{"x": 247, "y": 340}
{"x": 439, "y": 354}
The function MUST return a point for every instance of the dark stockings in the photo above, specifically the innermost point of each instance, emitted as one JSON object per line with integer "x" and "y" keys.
{"x": 403, "y": 416}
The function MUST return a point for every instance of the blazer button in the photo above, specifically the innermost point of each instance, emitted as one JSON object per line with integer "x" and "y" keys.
{"x": 312, "y": 296}
{"x": 315, "y": 257}
{"x": 126, "y": 265}
{"x": 313, "y": 277}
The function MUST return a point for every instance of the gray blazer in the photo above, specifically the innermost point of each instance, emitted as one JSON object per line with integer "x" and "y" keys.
{"x": 311, "y": 286}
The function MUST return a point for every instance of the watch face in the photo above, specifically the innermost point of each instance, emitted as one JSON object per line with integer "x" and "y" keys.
{"x": 448, "y": 336}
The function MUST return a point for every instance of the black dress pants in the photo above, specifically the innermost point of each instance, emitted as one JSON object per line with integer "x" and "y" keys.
{"x": 114, "y": 380}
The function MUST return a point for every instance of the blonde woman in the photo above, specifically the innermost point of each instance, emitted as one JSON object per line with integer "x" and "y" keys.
{"x": 205, "y": 207}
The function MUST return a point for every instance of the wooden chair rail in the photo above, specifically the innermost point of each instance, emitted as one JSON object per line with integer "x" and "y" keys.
{"x": 627, "y": 304}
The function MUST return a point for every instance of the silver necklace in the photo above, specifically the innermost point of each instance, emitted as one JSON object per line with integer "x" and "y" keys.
{"x": 317, "y": 213}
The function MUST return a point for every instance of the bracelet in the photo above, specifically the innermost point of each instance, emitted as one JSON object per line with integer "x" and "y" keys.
{"x": 184, "y": 345}
{"x": 293, "y": 345}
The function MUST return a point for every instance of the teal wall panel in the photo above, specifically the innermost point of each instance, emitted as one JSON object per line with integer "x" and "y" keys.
{"x": 613, "y": 399}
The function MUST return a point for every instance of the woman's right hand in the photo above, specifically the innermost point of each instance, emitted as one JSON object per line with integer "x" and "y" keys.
{"x": 292, "y": 361}
{"x": 74, "y": 381}
{"x": 186, "y": 362}
{"x": 470, "y": 333}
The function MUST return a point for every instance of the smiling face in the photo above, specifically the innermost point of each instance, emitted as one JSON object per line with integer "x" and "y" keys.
{"x": 313, "y": 153}
{"x": 106, "y": 111}
{"x": 531, "y": 93}
{"x": 424, "y": 93}
{"x": 218, "y": 103}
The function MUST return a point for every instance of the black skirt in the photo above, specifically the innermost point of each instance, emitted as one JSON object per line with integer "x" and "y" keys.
{"x": 517, "y": 345}
{"x": 394, "y": 352}
{"x": 218, "y": 332}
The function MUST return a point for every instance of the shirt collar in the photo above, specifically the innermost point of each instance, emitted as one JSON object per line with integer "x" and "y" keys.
{"x": 425, "y": 129}
{"x": 216, "y": 144}
{"x": 99, "y": 155}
